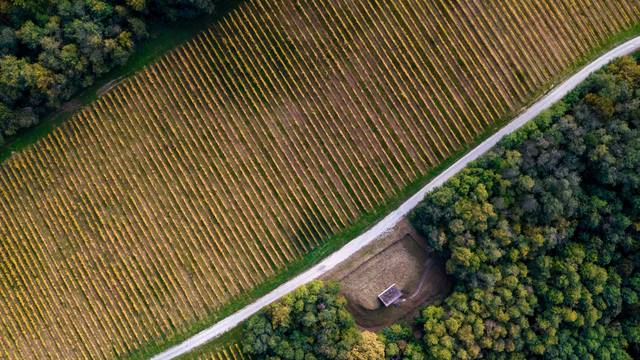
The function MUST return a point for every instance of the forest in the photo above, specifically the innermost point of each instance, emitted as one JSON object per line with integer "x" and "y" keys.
{"x": 542, "y": 235}
{"x": 50, "y": 49}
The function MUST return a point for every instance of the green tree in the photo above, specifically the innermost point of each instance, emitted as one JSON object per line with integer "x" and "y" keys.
{"x": 368, "y": 348}
{"x": 310, "y": 323}
{"x": 401, "y": 344}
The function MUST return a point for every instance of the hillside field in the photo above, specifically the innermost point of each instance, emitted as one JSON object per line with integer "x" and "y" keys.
{"x": 193, "y": 182}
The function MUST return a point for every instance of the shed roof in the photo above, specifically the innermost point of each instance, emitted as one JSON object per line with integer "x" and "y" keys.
{"x": 390, "y": 295}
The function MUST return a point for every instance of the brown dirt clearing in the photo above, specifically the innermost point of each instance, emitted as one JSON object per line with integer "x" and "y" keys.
{"x": 400, "y": 257}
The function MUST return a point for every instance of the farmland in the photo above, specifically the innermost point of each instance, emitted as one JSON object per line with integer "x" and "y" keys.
{"x": 204, "y": 175}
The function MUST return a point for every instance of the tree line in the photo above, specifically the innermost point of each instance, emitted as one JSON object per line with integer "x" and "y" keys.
{"x": 542, "y": 235}
{"x": 50, "y": 49}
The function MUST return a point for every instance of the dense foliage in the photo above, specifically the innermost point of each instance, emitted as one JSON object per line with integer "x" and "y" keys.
{"x": 400, "y": 343}
{"x": 49, "y": 49}
{"x": 370, "y": 347}
{"x": 310, "y": 323}
{"x": 543, "y": 234}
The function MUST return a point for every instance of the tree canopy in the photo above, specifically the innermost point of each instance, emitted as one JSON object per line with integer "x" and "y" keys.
{"x": 49, "y": 49}
{"x": 400, "y": 343}
{"x": 311, "y": 323}
{"x": 368, "y": 348}
{"x": 543, "y": 232}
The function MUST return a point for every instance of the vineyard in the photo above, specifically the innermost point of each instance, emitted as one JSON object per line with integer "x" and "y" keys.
{"x": 194, "y": 181}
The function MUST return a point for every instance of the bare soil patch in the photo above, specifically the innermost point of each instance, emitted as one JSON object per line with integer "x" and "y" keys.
{"x": 400, "y": 257}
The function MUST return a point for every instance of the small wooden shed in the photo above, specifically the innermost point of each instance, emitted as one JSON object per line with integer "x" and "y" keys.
{"x": 390, "y": 295}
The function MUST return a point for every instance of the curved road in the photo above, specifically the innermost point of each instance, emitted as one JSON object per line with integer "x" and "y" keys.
{"x": 392, "y": 219}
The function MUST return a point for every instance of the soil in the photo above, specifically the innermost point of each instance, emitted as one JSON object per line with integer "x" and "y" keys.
{"x": 402, "y": 257}
{"x": 401, "y": 263}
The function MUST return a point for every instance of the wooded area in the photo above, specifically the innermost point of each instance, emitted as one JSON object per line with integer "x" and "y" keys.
{"x": 313, "y": 323}
{"x": 543, "y": 234}
{"x": 50, "y": 49}
{"x": 314, "y": 311}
